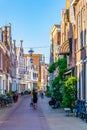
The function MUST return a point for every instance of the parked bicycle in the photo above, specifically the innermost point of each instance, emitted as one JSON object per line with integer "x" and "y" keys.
{"x": 54, "y": 103}
{"x": 5, "y": 100}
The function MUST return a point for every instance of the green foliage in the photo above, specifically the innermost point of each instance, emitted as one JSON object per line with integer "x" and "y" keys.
{"x": 57, "y": 94}
{"x": 58, "y": 80}
{"x": 52, "y": 67}
{"x": 48, "y": 92}
{"x": 69, "y": 92}
{"x": 10, "y": 93}
{"x": 61, "y": 64}
{"x": 1, "y": 95}
{"x": 63, "y": 89}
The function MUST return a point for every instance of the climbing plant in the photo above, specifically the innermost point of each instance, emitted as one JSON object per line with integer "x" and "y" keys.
{"x": 69, "y": 92}
{"x": 61, "y": 67}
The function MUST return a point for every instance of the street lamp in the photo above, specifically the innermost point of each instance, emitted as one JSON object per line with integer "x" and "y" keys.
{"x": 31, "y": 52}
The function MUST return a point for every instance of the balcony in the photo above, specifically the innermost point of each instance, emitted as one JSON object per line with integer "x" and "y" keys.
{"x": 74, "y": 2}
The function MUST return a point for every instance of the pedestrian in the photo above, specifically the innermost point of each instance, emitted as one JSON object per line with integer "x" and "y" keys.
{"x": 35, "y": 98}
{"x": 42, "y": 95}
{"x": 14, "y": 99}
{"x": 16, "y": 96}
{"x": 31, "y": 103}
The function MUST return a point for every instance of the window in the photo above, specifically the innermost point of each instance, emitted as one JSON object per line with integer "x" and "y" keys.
{"x": 86, "y": 80}
{"x": 78, "y": 81}
{"x": 2, "y": 37}
{"x": 0, "y": 60}
{"x": 78, "y": 29}
{"x": 81, "y": 85}
{"x": 83, "y": 27}
{"x": 0, "y": 83}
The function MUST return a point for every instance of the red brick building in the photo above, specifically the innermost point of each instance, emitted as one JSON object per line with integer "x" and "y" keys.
{"x": 80, "y": 34}
{"x": 4, "y": 59}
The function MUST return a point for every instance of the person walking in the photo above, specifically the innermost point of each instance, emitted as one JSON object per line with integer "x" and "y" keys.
{"x": 42, "y": 95}
{"x": 35, "y": 98}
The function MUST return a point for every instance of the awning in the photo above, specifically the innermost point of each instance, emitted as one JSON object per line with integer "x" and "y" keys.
{"x": 64, "y": 48}
{"x": 68, "y": 72}
{"x": 74, "y": 2}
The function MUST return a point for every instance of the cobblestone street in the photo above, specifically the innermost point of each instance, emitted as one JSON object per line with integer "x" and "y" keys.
{"x": 23, "y": 117}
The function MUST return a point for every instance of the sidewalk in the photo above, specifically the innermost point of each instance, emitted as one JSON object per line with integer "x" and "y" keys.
{"x": 57, "y": 120}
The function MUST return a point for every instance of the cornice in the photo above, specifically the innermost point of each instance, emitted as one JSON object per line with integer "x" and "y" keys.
{"x": 54, "y": 28}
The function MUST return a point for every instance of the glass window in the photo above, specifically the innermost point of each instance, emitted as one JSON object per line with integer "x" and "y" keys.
{"x": 83, "y": 27}
{"x": 2, "y": 37}
{"x": 78, "y": 29}
{"x": 0, "y": 60}
{"x": 0, "y": 83}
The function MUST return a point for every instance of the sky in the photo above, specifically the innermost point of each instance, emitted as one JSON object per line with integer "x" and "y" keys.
{"x": 32, "y": 21}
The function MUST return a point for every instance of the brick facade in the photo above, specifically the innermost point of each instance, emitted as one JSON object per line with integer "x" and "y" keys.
{"x": 81, "y": 47}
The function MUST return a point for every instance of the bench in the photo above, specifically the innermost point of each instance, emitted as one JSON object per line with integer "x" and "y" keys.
{"x": 67, "y": 111}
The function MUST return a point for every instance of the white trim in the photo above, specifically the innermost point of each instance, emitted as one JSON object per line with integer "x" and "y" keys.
{"x": 81, "y": 81}
{"x": 78, "y": 81}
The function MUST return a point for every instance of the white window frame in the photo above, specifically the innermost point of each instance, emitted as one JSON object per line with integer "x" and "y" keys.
{"x": 78, "y": 81}
{"x": 81, "y": 90}
{"x": 83, "y": 27}
{"x": 79, "y": 32}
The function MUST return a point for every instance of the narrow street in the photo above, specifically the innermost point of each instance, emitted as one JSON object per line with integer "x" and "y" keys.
{"x": 23, "y": 117}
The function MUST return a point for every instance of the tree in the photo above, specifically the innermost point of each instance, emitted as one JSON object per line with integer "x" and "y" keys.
{"x": 69, "y": 92}
{"x": 61, "y": 66}
{"x": 48, "y": 92}
{"x": 52, "y": 67}
{"x": 56, "y": 88}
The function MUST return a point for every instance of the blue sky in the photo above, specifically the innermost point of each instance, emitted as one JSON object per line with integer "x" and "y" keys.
{"x": 32, "y": 21}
